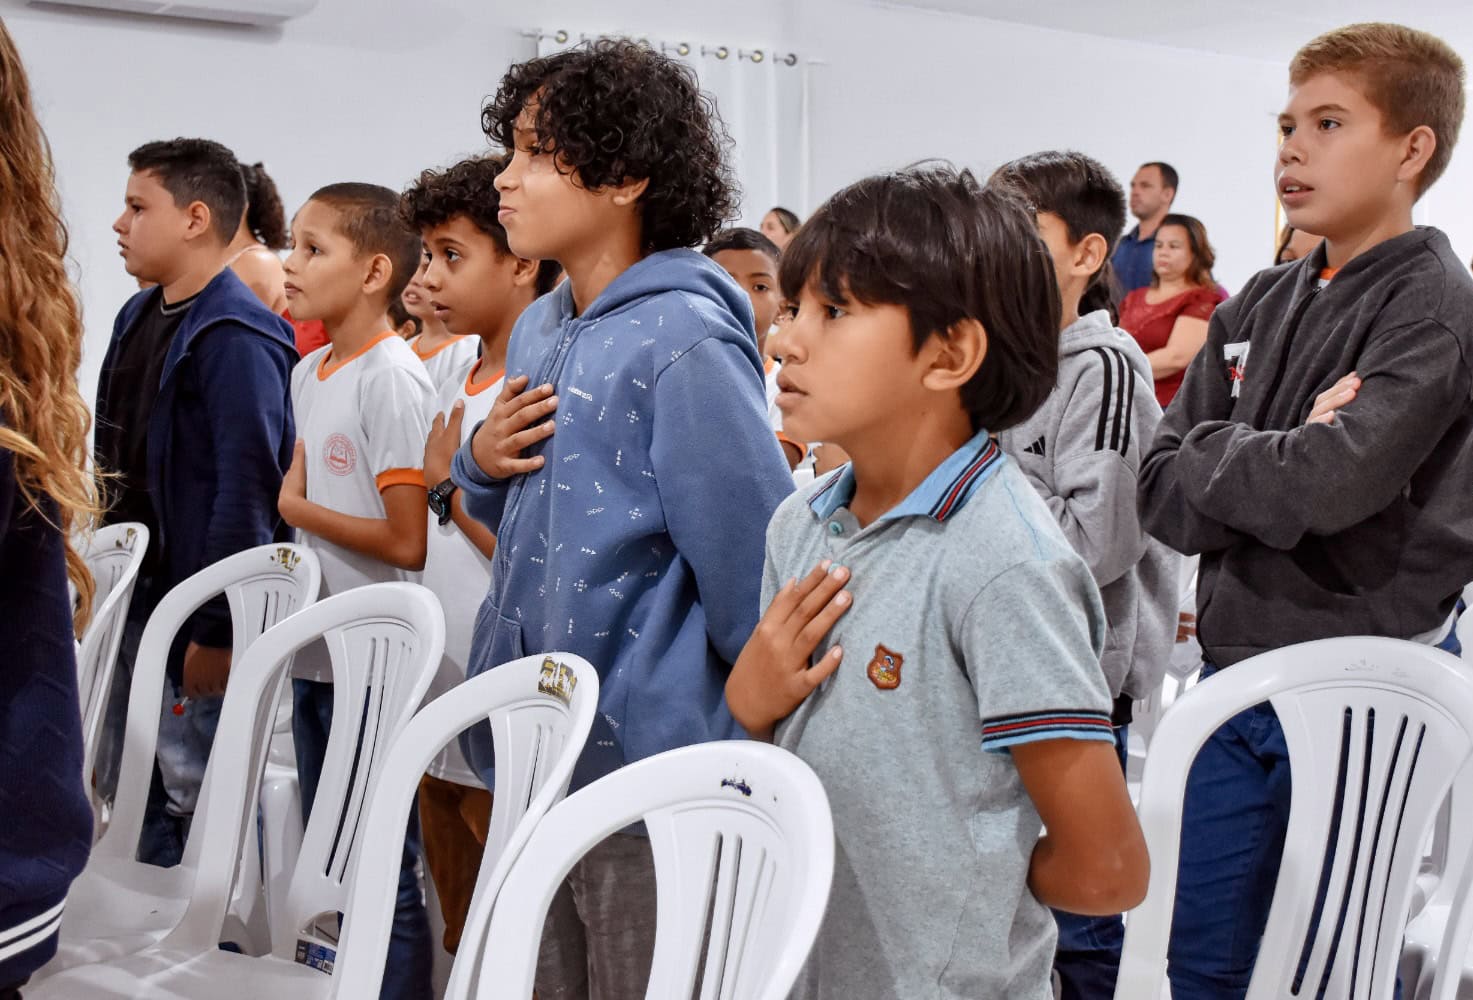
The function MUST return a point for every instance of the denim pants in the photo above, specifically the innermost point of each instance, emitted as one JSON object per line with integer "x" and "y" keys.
{"x": 407, "y": 968}
{"x": 1088, "y": 956}
{"x": 186, "y": 734}
{"x": 1234, "y": 818}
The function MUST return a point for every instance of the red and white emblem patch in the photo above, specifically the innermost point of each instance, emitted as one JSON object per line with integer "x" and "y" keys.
{"x": 339, "y": 455}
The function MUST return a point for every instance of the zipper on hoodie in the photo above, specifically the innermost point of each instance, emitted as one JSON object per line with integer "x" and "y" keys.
{"x": 566, "y": 335}
{"x": 1294, "y": 323}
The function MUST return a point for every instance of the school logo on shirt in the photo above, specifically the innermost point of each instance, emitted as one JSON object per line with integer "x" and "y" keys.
{"x": 339, "y": 455}
{"x": 1236, "y": 356}
{"x": 884, "y": 669}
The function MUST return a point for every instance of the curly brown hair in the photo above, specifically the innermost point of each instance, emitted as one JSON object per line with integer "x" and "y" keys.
{"x": 612, "y": 110}
{"x": 467, "y": 189}
{"x": 265, "y": 216}
{"x": 45, "y": 420}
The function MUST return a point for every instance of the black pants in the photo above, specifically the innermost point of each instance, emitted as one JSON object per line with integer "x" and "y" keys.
{"x": 11, "y": 992}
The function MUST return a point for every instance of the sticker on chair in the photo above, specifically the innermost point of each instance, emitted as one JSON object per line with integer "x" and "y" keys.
{"x": 557, "y": 681}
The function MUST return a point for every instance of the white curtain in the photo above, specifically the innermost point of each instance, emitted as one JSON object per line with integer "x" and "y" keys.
{"x": 762, "y": 96}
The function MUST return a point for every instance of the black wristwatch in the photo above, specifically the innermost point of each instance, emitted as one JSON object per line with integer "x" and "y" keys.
{"x": 440, "y": 500}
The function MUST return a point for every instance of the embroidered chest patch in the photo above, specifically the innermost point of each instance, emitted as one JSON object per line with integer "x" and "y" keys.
{"x": 884, "y": 669}
{"x": 1236, "y": 356}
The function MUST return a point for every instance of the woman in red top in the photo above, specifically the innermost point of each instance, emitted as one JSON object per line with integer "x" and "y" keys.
{"x": 1169, "y": 318}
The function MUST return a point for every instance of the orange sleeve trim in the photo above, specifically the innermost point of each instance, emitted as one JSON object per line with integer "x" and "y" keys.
{"x": 399, "y": 477}
{"x": 414, "y": 345}
{"x": 802, "y": 448}
{"x": 325, "y": 369}
{"x": 474, "y": 388}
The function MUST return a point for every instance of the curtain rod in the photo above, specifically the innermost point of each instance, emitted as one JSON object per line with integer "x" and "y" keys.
{"x": 683, "y": 49}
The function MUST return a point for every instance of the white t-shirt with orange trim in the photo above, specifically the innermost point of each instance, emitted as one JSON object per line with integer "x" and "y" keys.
{"x": 455, "y": 569}
{"x": 775, "y": 416}
{"x": 363, "y": 421}
{"x": 447, "y": 363}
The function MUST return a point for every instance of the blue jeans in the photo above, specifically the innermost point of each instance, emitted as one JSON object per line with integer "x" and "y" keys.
{"x": 1234, "y": 818}
{"x": 407, "y": 969}
{"x": 1088, "y": 955}
{"x": 183, "y": 750}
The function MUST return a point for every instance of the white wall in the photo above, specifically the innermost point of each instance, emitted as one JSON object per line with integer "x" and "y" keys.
{"x": 377, "y": 89}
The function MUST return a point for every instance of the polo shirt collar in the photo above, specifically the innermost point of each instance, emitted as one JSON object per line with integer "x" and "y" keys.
{"x": 940, "y": 495}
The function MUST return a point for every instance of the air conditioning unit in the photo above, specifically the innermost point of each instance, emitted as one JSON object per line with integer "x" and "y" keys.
{"x": 263, "y": 12}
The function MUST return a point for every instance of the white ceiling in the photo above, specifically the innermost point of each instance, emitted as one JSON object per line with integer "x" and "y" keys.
{"x": 1255, "y": 29}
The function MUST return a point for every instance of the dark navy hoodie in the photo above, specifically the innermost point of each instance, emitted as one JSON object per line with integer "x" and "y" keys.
{"x": 45, "y": 821}
{"x": 219, "y": 439}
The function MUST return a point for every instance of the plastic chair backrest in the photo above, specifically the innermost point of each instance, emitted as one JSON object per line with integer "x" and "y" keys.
{"x": 262, "y": 585}
{"x": 540, "y": 709}
{"x": 113, "y": 556}
{"x": 382, "y": 664}
{"x": 1376, "y": 730}
{"x": 743, "y": 844}
{"x": 387, "y": 638}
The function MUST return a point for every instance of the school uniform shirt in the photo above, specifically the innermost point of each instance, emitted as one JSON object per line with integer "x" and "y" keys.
{"x": 363, "y": 421}
{"x": 1361, "y": 526}
{"x": 974, "y": 628}
{"x": 455, "y": 569}
{"x": 447, "y": 363}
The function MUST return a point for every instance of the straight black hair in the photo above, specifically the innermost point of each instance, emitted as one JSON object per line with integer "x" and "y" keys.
{"x": 194, "y": 170}
{"x": 742, "y": 238}
{"x": 937, "y": 243}
{"x": 1083, "y": 193}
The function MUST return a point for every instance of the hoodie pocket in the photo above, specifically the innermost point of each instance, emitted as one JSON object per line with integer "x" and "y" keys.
{"x": 506, "y": 641}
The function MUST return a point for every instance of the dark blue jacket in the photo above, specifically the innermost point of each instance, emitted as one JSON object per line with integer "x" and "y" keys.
{"x": 45, "y": 820}
{"x": 219, "y": 440}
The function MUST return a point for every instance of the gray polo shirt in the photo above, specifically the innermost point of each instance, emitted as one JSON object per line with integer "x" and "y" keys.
{"x": 975, "y": 627}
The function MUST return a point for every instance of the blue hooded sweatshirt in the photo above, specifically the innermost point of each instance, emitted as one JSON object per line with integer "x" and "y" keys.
{"x": 219, "y": 439}
{"x": 639, "y": 543}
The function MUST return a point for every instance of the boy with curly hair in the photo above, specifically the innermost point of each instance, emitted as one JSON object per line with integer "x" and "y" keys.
{"x": 478, "y": 288}
{"x": 634, "y": 535}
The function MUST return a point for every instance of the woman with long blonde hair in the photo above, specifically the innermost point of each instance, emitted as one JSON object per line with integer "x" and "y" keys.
{"x": 46, "y": 491}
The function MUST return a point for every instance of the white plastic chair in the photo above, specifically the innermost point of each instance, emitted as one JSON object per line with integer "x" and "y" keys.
{"x": 113, "y": 555}
{"x": 540, "y": 709}
{"x": 120, "y": 905}
{"x": 744, "y": 852}
{"x": 1441, "y": 886}
{"x": 385, "y": 641}
{"x": 1376, "y": 730}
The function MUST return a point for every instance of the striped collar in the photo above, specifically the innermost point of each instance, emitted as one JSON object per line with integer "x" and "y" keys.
{"x": 940, "y": 495}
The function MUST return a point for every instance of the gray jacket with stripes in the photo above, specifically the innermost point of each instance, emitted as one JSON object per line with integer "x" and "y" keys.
{"x": 1082, "y": 451}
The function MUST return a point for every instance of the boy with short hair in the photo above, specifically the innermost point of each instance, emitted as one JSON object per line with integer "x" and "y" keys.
{"x": 930, "y": 645}
{"x": 445, "y": 354}
{"x": 479, "y": 286}
{"x": 190, "y": 358}
{"x": 1318, "y": 455}
{"x": 751, "y": 259}
{"x": 356, "y": 490}
{"x": 633, "y": 535}
{"x": 1082, "y": 451}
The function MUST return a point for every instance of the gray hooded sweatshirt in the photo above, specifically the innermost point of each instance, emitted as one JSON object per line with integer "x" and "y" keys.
{"x": 1082, "y": 452}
